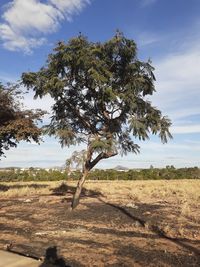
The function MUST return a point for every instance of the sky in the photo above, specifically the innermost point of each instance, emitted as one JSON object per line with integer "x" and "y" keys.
{"x": 166, "y": 31}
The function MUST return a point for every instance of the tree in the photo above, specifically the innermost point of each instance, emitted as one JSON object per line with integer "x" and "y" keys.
{"x": 76, "y": 160}
{"x": 16, "y": 124}
{"x": 100, "y": 94}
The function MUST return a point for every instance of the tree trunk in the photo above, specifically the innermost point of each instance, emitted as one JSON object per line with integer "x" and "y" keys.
{"x": 79, "y": 187}
{"x": 87, "y": 167}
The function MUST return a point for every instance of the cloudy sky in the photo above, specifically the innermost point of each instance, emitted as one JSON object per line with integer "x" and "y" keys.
{"x": 166, "y": 31}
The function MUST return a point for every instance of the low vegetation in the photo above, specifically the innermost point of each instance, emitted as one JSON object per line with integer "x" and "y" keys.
{"x": 168, "y": 173}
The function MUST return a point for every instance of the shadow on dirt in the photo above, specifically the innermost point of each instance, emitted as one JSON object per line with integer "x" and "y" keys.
{"x": 128, "y": 212}
{"x": 52, "y": 259}
{"x": 155, "y": 257}
{"x": 63, "y": 189}
{"x": 156, "y": 229}
{"x": 110, "y": 222}
{"x": 5, "y": 188}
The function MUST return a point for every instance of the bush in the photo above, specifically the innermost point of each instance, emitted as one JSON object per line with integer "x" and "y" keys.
{"x": 168, "y": 173}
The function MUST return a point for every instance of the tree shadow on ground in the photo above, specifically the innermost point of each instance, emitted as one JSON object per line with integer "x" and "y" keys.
{"x": 63, "y": 189}
{"x": 156, "y": 229}
{"x": 52, "y": 259}
{"x": 155, "y": 257}
{"x": 129, "y": 254}
{"x": 5, "y": 188}
{"x": 102, "y": 218}
{"x": 143, "y": 222}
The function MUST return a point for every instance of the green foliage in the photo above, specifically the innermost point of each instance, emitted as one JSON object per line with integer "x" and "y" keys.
{"x": 100, "y": 92}
{"x": 31, "y": 175}
{"x": 77, "y": 160}
{"x": 16, "y": 123}
{"x": 168, "y": 173}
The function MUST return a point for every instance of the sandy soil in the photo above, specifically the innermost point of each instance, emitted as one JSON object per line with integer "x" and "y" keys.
{"x": 110, "y": 227}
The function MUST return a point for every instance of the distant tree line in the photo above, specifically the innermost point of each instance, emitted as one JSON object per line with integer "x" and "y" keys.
{"x": 12, "y": 175}
{"x": 168, "y": 173}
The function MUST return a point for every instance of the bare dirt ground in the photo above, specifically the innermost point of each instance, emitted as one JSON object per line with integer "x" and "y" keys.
{"x": 118, "y": 223}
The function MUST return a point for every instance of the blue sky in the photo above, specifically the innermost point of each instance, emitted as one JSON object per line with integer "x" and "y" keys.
{"x": 166, "y": 31}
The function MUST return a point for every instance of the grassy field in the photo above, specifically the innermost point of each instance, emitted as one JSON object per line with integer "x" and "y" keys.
{"x": 118, "y": 223}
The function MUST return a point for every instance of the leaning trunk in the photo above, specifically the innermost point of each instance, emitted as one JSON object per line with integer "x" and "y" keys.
{"x": 79, "y": 187}
{"x": 89, "y": 164}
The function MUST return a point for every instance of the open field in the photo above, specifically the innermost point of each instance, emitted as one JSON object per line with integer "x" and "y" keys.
{"x": 118, "y": 223}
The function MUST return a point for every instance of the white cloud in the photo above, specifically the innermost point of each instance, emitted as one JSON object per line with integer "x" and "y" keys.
{"x": 186, "y": 129}
{"x": 181, "y": 68}
{"x": 15, "y": 42}
{"x": 23, "y": 16}
{"x": 69, "y": 7}
{"x": 170, "y": 147}
{"x": 25, "y": 23}
{"x": 145, "y": 39}
{"x": 178, "y": 85}
{"x": 45, "y": 103}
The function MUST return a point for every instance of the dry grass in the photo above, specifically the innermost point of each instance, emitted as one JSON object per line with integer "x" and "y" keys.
{"x": 183, "y": 191}
{"x": 179, "y": 201}
{"x": 183, "y": 195}
{"x": 172, "y": 206}
{"x": 21, "y": 189}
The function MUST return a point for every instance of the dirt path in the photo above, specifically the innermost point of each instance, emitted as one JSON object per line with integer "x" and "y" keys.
{"x": 98, "y": 233}
{"x": 8, "y": 259}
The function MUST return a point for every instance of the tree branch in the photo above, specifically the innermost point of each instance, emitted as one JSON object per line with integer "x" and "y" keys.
{"x": 76, "y": 111}
{"x": 101, "y": 156}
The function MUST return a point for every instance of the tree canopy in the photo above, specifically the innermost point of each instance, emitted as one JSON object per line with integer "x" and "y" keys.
{"x": 16, "y": 123}
{"x": 100, "y": 92}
